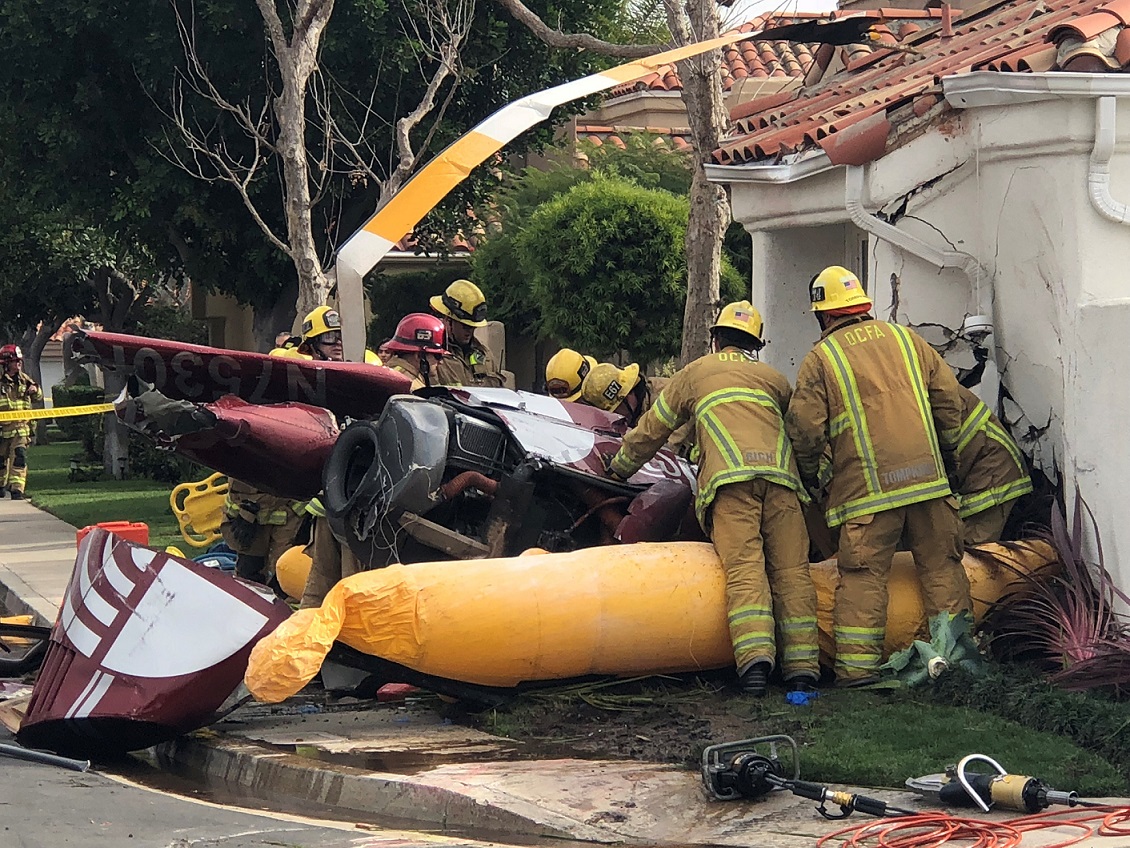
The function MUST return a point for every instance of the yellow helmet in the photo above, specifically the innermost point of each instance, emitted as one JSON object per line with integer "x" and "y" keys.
{"x": 607, "y": 386}
{"x": 565, "y": 373}
{"x": 464, "y": 302}
{"x": 289, "y": 353}
{"x": 740, "y": 315}
{"x": 837, "y": 288}
{"x": 319, "y": 322}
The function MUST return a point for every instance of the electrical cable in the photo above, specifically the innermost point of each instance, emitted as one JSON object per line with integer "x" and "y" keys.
{"x": 934, "y": 830}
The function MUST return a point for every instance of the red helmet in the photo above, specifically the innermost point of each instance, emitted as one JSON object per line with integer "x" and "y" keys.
{"x": 11, "y": 353}
{"x": 419, "y": 333}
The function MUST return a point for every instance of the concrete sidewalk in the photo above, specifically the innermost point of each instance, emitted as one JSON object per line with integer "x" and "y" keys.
{"x": 37, "y": 555}
{"x": 403, "y": 765}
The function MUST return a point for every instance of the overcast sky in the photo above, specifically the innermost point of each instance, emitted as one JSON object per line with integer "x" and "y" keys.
{"x": 743, "y": 10}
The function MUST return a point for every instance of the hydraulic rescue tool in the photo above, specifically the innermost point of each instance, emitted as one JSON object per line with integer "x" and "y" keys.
{"x": 957, "y": 787}
{"x": 741, "y": 770}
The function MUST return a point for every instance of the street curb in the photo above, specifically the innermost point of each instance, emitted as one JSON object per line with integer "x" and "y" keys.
{"x": 10, "y": 599}
{"x": 344, "y": 791}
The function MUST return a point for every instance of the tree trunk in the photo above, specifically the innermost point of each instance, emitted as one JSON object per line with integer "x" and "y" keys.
{"x": 269, "y": 320}
{"x": 115, "y": 298}
{"x": 32, "y": 342}
{"x": 297, "y": 63}
{"x": 709, "y": 205}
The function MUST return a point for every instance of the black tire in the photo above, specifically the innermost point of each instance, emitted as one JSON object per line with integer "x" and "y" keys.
{"x": 13, "y": 661}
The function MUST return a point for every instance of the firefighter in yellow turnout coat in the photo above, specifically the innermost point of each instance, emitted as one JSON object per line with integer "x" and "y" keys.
{"x": 888, "y": 407}
{"x": 748, "y": 494}
{"x": 17, "y": 393}
{"x": 990, "y": 470}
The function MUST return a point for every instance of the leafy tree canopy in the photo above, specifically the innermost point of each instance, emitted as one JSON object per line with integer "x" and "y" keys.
{"x": 607, "y": 267}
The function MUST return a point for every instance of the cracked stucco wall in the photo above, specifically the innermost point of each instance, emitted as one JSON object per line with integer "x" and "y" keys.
{"x": 1015, "y": 197}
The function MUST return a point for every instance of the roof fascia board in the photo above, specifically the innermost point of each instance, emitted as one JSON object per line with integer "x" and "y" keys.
{"x": 775, "y": 174}
{"x": 1001, "y": 88}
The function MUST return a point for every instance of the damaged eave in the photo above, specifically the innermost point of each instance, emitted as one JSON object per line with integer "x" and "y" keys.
{"x": 1000, "y": 88}
{"x": 815, "y": 163}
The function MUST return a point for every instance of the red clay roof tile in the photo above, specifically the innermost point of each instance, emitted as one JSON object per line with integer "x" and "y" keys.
{"x": 1010, "y": 34}
{"x": 679, "y": 139}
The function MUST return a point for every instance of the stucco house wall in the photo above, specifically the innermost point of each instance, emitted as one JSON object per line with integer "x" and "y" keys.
{"x": 1009, "y": 186}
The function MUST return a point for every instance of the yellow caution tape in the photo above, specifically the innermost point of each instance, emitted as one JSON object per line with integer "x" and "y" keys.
{"x": 59, "y": 412}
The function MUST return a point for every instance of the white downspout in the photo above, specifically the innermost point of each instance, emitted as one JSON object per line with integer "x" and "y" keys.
{"x": 1098, "y": 174}
{"x": 965, "y": 262}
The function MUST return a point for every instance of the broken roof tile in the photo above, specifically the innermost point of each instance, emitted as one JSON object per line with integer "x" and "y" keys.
{"x": 1017, "y": 35}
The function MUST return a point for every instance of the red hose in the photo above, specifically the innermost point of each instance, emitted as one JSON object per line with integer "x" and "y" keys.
{"x": 467, "y": 480}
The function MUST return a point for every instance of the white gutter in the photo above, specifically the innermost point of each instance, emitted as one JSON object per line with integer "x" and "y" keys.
{"x": 1098, "y": 174}
{"x": 776, "y": 174}
{"x": 1001, "y": 88}
{"x": 986, "y": 88}
{"x": 965, "y": 262}
{"x": 853, "y": 202}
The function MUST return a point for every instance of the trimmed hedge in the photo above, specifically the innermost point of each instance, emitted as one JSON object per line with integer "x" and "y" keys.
{"x": 80, "y": 428}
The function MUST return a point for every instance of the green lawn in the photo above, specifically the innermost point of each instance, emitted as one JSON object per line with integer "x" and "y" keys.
{"x": 106, "y": 499}
{"x": 882, "y": 738}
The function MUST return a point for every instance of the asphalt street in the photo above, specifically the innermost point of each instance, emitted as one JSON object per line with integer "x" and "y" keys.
{"x": 48, "y": 807}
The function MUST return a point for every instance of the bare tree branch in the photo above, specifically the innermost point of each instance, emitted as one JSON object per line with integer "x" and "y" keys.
{"x": 447, "y": 25}
{"x": 575, "y": 41}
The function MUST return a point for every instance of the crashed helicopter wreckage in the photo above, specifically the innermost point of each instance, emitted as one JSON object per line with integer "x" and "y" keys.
{"x": 147, "y": 646}
{"x": 487, "y": 474}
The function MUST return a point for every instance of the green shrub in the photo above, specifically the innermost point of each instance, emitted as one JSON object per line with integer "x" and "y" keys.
{"x": 607, "y": 265}
{"x": 80, "y": 428}
{"x": 147, "y": 460}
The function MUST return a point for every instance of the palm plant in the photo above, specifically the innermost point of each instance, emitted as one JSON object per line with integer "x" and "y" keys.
{"x": 1063, "y": 617}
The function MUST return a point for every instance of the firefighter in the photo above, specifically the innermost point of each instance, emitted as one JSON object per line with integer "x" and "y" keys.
{"x": 888, "y": 407}
{"x": 565, "y": 374}
{"x": 621, "y": 391}
{"x": 17, "y": 393}
{"x": 463, "y": 308}
{"x": 417, "y": 348}
{"x": 624, "y": 391}
{"x": 749, "y": 495}
{"x": 259, "y": 527}
{"x": 991, "y": 472}
{"x": 321, "y": 339}
{"x": 321, "y": 335}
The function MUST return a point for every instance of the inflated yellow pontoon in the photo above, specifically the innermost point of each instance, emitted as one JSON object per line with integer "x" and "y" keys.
{"x": 617, "y": 610}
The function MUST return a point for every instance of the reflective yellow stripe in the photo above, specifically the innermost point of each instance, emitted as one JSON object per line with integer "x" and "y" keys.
{"x": 859, "y": 634}
{"x": 623, "y": 465}
{"x": 315, "y": 508}
{"x": 997, "y": 433}
{"x": 721, "y": 439}
{"x": 838, "y": 425}
{"x": 797, "y": 623}
{"x": 903, "y": 497}
{"x": 800, "y": 652}
{"x": 977, "y": 419}
{"x": 861, "y": 661}
{"x": 663, "y": 412}
{"x": 849, "y": 393}
{"x": 976, "y": 502}
{"x": 742, "y": 613}
{"x": 921, "y": 394}
{"x": 754, "y": 639}
{"x": 727, "y": 395}
{"x": 750, "y": 472}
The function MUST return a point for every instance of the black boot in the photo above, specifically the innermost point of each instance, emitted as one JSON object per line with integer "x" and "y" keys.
{"x": 802, "y": 683}
{"x": 754, "y": 681}
{"x": 17, "y": 496}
